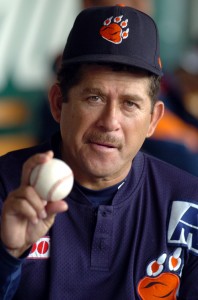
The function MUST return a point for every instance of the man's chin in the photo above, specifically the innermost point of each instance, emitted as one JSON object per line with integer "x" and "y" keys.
{"x": 103, "y": 172}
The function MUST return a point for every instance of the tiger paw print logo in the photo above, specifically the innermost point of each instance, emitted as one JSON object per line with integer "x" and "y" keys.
{"x": 115, "y": 29}
{"x": 159, "y": 284}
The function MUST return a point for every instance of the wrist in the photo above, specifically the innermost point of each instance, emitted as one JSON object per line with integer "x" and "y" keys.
{"x": 17, "y": 253}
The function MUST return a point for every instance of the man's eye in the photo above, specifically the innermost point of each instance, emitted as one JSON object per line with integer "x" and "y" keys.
{"x": 130, "y": 103}
{"x": 94, "y": 99}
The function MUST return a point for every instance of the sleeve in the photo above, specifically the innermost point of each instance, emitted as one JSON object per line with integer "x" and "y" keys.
{"x": 10, "y": 267}
{"x": 10, "y": 274}
{"x": 189, "y": 280}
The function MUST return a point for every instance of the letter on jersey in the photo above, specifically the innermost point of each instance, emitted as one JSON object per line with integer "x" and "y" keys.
{"x": 183, "y": 225}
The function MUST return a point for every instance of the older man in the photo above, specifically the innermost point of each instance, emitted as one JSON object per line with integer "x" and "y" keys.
{"x": 131, "y": 228}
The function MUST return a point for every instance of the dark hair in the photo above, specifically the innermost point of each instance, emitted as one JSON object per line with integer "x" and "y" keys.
{"x": 69, "y": 76}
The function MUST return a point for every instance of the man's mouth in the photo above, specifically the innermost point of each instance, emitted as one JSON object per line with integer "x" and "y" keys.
{"x": 104, "y": 141}
{"x": 104, "y": 145}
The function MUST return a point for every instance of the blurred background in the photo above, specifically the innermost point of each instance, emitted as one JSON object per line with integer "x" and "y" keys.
{"x": 32, "y": 37}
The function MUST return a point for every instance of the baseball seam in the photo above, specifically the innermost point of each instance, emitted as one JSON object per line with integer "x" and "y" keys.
{"x": 56, "y": 185}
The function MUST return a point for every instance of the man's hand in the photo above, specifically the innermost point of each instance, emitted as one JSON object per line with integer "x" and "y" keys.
{"x": 25, "y": 216}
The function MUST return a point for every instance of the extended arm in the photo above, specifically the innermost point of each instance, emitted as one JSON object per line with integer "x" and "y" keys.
{"x": 25, "y": 218}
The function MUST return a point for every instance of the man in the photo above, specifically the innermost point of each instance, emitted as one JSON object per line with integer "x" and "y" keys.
{"x": 131, "y": 228}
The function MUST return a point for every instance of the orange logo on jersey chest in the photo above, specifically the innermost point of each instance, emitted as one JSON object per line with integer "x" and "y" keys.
{"x": 159, "y": 284}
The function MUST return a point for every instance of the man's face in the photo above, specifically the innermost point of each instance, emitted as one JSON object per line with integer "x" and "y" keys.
{"x": 104, "y": 123}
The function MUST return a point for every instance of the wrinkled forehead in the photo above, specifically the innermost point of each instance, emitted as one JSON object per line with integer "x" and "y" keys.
{"x": 106, "y": 78}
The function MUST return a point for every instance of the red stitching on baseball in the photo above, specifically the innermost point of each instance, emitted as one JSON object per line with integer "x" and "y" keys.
{"x": 55, "y": 186}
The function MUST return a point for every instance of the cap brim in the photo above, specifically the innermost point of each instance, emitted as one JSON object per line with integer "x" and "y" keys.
{"x": 109, "y": 58}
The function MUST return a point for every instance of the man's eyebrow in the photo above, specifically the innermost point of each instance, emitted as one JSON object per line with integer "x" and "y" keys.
{"x": 100, "y": 92}
{"x": 133, "y": 97}
{"x": 91, "y": 91}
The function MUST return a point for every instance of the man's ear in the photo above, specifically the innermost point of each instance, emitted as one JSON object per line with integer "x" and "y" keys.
{"x": 55, "y": 101}
{"x": 157, "y": 114}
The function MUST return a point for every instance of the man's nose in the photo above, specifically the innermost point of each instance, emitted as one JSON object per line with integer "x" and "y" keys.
{"x": 109, "y": 118}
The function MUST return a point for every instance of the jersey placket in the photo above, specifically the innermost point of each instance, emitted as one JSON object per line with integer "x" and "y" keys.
{"x": 102, "y": 239}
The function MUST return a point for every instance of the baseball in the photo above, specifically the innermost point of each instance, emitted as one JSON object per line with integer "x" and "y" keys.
{"x": 52, "y": 180}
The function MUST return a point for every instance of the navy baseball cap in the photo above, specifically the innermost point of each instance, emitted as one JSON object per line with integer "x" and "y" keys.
{"x": 114, "y": 34}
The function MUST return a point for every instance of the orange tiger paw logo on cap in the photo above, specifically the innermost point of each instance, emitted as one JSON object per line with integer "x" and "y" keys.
{"x": 113, "y": 29}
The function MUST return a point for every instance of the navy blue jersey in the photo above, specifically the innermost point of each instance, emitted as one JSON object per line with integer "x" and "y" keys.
{"x": 144, "y": 245}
